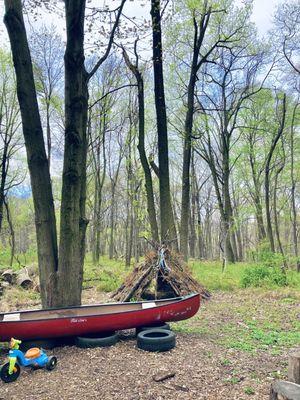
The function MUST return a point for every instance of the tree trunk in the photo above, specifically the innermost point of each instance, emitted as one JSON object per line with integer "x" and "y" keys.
{"x": 276, "y": 223}
{"x": 168, "y": 230}
{"x": 267, "y": 175}
{"x": 112, "y": 223}
{"x": 73, "y": 222}
{"x": 141, "y": 147}
{"x": 293, "y": 189}
{"x": 48, "y": 130}
{"x": 3, "y": 180}
{"x": 230, "y": 243}
{"x": 256, "y": 195}
{"x": 36, "y": 155}
{"x": 12, "y": 233}
{"x": 145, "y": 165}
{"x": 188, "y": 127}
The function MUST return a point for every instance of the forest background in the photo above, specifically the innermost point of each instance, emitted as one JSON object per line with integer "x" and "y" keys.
{"x": 232, "y": 120}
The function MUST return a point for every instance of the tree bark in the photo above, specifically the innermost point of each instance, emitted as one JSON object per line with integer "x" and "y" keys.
{"x": 267, "y": 175}
{"x": 293, "y": 189}
{"x": 256, "y": 195}
{"x": 73, "y": 222}
{"x": 141, "y": 147}
{"x": 228, "y": 222}
{"x": 12, "y": 233}
{"x": 199, "y": 33}
{"x": 276, "y": 223}
{"x": 36, "y": 155}
{"x": 168, "y": 230}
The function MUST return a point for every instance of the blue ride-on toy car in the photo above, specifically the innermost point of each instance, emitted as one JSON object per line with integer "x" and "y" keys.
{"x": 34, "y": 357}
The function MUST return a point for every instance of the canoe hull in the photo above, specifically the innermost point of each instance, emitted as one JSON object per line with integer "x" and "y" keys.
{"x": 76, "y": 326}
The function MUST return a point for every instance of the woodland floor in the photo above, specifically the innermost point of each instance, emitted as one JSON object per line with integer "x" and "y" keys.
{"x": 227, "y": 351}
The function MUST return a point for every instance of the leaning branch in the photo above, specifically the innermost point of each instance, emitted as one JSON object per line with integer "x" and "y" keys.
{"x": 110, "y": 42}
{"x": 110, "y": 92}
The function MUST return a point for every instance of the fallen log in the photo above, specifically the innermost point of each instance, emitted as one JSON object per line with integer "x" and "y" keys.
{"x": 287, "y": 391}
{"x": 24, "y": 280}
{"x": 9, "y": 276}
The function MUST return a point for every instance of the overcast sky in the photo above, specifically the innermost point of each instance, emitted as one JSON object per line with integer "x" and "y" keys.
{"x": 262, "y": 14}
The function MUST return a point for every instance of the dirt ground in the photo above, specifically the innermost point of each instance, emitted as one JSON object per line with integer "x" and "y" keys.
{"x": 203, "y": 370}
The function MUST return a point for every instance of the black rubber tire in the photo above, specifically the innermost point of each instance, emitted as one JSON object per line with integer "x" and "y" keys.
{"x": 156, "y": 340}
{"x": 47, "y": 344}
{"x": 51, "y": 364}
{"x": 5, "y": 375}
{"x": 162, "y": 325}
{"x": 97, "y": 340}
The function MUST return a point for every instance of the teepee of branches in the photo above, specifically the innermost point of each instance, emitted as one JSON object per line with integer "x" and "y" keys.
{"x": 162, "y": 274}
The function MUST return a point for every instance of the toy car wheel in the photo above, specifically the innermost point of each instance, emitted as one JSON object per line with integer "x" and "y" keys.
{"x": 156, "y": 340}
{"x": 6, "y": 377}
{"x": 97, "y": 340}
{"x": 162, "y": 325}
{"x": 51, "y": 363}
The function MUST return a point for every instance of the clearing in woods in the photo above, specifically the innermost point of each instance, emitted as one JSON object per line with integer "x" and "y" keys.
{"x": 232, "y": 349}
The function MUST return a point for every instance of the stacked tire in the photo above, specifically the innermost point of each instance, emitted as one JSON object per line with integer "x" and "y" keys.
{"x": 156, "y": 339}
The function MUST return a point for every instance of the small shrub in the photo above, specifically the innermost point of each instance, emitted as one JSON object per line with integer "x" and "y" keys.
{"x": 277, "y": 277}
{"x": 263, "y": 276}
{"x": 266, "y": 257}
{"x": 254, "y": 276}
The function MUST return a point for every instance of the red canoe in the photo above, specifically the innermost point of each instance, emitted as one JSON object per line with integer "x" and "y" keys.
{"x": 81, "y": 320}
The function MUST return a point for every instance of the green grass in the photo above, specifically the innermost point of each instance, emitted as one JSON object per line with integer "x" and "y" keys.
{"x": 248, "y": 320}
{"x": 28, "y": 258}
{"x": 106, "y": 276}
{"x": 210, "y": 274}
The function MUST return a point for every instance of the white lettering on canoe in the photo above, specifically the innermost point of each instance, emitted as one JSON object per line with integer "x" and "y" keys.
{"x": 78, "y": 320}
{"x": 175, "y": 314}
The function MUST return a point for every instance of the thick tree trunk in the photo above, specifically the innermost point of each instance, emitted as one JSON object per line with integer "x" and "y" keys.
{"x": 168, "y": 230}
{"x": 36, "y": 155}
{"x": 73, "y": 221}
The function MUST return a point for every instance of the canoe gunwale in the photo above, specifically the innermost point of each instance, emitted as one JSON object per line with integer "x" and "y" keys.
{"x": 168, "y": 302}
